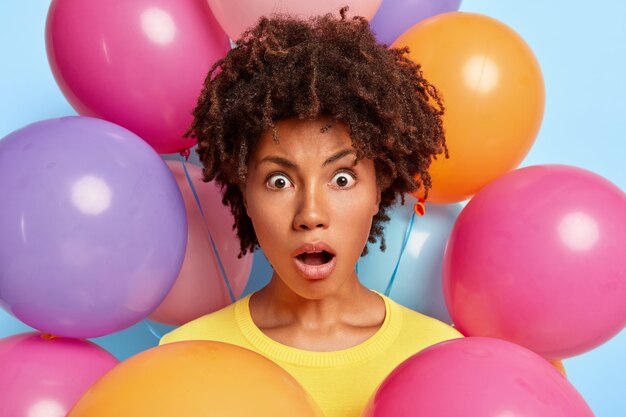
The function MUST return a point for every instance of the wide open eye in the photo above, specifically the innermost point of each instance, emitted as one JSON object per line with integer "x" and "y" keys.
{"x": 343, "y": 179}
{"x": 278, "y": 182}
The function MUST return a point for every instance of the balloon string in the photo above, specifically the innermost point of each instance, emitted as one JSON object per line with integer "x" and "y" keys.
{"x": 217, "y": 255}
{"x": 154, "y": 332}
{"x": 404, "y": 242}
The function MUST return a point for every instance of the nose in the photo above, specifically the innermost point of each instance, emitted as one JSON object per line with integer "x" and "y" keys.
{"x": 312, "y": 211}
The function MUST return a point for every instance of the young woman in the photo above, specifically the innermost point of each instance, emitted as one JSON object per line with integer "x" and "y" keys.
{"x": 313, "y": 130}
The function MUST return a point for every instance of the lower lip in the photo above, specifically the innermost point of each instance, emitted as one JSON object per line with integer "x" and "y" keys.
{"x": 315, "y": 272}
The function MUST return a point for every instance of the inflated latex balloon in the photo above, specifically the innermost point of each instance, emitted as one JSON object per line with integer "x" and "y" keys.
{"x": 92, "y": 227}
{"x": 197, "y": 378}
{"x": 140, "y": 64}
{"x": 476, "y": 377}
{"x": 411, "y": 275}
{"x": 45, "y": 376}
{"x": 202, "y": 287}
{"x": 537, "y": 258}
{"x": 235, "y": 16}
{"x": 493, "y": 95}
{"x": 396, "y": 16}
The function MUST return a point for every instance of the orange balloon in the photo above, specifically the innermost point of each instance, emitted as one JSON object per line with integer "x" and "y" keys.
{"x": 196, "y": 378}
{"x": 493, "y": 95}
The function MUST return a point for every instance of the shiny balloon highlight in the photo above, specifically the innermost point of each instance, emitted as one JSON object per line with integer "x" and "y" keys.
{"x": 537, "y": 258}
{"x": 493, "y": 95}
{"x": 92, "y": 227}
{"x": 45, "y": 376}
{"x": 140, "y": 64}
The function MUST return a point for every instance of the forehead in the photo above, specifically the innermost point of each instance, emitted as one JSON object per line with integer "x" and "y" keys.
{"x": 303, "y": 139}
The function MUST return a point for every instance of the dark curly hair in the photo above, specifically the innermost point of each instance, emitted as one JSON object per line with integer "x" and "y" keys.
{"x": 322, "y": 67}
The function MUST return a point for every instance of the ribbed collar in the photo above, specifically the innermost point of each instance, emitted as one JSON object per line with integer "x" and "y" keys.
{"x": 375, "y": 344}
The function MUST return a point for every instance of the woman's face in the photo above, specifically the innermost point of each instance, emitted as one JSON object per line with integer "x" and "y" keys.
{"x": 308, "y": 189}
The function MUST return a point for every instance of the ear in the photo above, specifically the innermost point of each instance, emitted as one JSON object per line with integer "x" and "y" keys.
{"x": 377, "y": 204}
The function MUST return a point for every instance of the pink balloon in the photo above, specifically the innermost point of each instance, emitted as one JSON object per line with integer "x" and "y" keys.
{"x": 235, "y": 16}
{"x": 200, "y": 287}
{"x": 537, "y": 258}
{"x": 44, "y": 376}
{"x": 476, "y": 377}
{"x": 140, "y": 64}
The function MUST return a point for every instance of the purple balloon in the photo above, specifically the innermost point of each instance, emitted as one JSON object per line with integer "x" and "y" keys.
{"x": 43, "y": 376}
{"x": 92, "y": 229}
{"x": 394, "y": 17}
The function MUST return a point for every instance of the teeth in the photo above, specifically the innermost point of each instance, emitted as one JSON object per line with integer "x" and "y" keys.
{"x": 315, "y": 251}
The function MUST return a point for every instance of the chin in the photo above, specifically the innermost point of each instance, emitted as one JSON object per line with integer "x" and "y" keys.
{"x": 317, "y": 289}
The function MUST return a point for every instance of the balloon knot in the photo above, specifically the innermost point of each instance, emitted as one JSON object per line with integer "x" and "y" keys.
{"x": 419, "y": 207}
{"x": 185, "y": 153}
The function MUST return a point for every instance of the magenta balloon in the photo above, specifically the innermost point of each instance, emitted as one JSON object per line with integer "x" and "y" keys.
{"x": 139, "y": 64}
{"x": 394, "y": 17}
{"x": 476, "y": 377}
{"x": 537, "y": 258}
{"x": 40, "y": 376}
{"x": 92, "y": 227}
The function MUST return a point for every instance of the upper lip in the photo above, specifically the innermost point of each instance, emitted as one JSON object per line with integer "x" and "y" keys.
{"x": 311, "y": 247}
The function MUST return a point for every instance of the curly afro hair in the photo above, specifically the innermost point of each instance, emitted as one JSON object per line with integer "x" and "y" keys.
{"x": 326, "y": 66}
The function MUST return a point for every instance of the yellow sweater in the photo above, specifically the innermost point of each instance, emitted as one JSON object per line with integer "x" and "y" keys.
{"x": 341, "y": 382}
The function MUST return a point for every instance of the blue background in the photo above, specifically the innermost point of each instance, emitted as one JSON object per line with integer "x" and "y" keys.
{"x": 581, "y": 49}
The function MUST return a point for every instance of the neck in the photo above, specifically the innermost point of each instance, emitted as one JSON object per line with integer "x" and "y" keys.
{"x": 278, "y": 305}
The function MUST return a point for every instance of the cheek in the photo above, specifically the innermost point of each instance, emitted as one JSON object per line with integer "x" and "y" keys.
{"x": 265, "y": 213}
{"x": 356, "y": 211}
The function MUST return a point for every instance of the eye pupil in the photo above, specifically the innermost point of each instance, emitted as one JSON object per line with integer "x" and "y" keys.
{"x": 342, "y": 181}
{"x": 280, "y": 183}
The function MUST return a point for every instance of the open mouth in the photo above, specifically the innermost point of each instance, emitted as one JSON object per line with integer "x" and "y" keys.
{"x": 315, "y": 258}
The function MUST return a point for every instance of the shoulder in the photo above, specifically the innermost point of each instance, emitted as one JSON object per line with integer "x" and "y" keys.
{"x": 220, "y": 326}
{"x": 422, "y": 329}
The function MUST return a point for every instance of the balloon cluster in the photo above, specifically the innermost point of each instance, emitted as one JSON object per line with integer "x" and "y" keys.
{"x": 98, "y": 232}
{"x": 536, "y": 257}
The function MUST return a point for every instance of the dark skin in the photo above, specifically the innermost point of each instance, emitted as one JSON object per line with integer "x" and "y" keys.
{"x": 306, "y": 202}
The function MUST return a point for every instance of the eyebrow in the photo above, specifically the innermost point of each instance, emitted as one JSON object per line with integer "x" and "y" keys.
{"x": 287, "y": 163}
